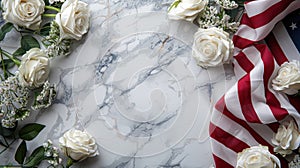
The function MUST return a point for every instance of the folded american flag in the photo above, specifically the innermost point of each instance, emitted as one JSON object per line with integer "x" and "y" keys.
{"x": 251, "y": 111}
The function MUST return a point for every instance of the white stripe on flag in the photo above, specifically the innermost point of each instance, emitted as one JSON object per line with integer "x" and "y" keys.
{"x": 233, "y": 103}
{"x": 285, "y": 42}
{"x": 252, "y": 54}
{"x": 233, "y": 128}
{"x": 264, "y": 130}
{"x": 238, "y": 70}
{"x": 254, "y": 9}
{"x": 258, "y": 98}
{"x": 258, "y": 34}
{"x": 223, "y": 152}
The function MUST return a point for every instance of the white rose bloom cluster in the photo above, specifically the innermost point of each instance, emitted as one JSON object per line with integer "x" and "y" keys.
{"x": 73, "y": 20}
{"x": 34, "y": 69}
{"x": 287, "y": 138}
{"x": 257, "y": 157}
{"x": 212, "y": 47}
{"x": 288, "y": 78}
{"x": 186, "y": 9}
{"x": 25, "y": 13}
{"x": 78, "y": 145}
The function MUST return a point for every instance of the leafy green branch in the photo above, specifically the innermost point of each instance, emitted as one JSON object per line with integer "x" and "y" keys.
{"x": 26, "y": 133}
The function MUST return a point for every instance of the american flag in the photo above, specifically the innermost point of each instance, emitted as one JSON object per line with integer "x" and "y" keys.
{"x": 251, "y": 111}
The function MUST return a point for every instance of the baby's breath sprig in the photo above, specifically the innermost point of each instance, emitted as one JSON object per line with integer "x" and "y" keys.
{"x": 45, "y": 97}
{"x": 55, "y": 45}
{"x": 295, "y": 163}
{"x": 215, "y": 15}
{"x": 51, "y": 154}
{"x": 13, "y": 102}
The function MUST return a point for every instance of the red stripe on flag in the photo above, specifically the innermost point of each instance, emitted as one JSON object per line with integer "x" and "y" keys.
{"x": 255, "y": 135}
{"x": 274, "y": 126}
{"x": 227, "y": 139}
{"x": 295, "y": 102}
{"x": 269, "y": 14}
{"x": 244, "y": 94}
{"x": 274, "y": 104}
{"x": 244, "y": 124}
{"x": 221, "y": 163}
{"x": 244, "y": 62}
{"x": 280, "y": 58}
{"x": 275, "y": 49}
{"x": 241, "y": 42}
{"x": 246, "y": 20}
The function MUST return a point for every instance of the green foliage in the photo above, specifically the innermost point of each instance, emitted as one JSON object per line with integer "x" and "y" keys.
{"x": 30, "y": 131}
{"x": 21, "y": 152}
{"x": 7, "y": 63}
{"x": 36, "y": 157}
{"x": 45, "y": 29}
{"x": 19, "y": 52}
{"x": 174, "y": 5}
{"x": 28, "y": 42}
{"x": 7, "y": 27}
{"x": 46, "y": 2}
{"x": 7, "y": 132}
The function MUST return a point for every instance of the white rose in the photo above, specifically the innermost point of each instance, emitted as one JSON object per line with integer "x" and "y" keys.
{"x": 73, "y": 20}
{"x": 78, "y": 145}
{"x": 212, "y": 47}
{"x": 288, "y": 78}
{"x": 34, "y": 69}
{"x": 186, "y": 9}
{"x": 257, "y": 157}
{"x": 287, "y": 138}
{"x": 26, "y": 13}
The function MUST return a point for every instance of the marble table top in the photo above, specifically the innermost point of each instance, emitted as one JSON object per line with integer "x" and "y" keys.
{"x": 133, "y": 85}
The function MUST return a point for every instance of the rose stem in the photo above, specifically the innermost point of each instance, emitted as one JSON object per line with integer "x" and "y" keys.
{"x": 17, "y": 62}
{"x": 3, "y": 66}
{"x": 49, "y": 15}
{"x": 52, "y": 8}
{"x": 69, "y": 162}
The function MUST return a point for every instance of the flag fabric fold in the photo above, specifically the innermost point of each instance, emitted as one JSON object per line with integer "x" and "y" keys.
{"x": 250, "y": 112}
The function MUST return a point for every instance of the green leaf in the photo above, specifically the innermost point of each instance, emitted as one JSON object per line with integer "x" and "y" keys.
{"x": 8, "y": 63}
{"x": 19, "y": 52}
{"x": 21, "y": 153}
{"x": 30, "y": 131}
{"x": 7, "y": 132}
{"x": 28, "y": 42}
{"x": 5, "y": 29}
{"x": 36, "y": 157}
{"x": 46, "y": 2}
{"x": 45, "y": 29}
{"x": 174, "y": 5}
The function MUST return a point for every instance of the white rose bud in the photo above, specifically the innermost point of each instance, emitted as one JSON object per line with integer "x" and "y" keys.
{"x": 73, "y": 20}
{"x": 187, "y": 9}
{"x": 78, "y": 145}
{"x": 212, "y": 47}
{"x": 26, "y": 13}
{"x": 34, "y": 69}
{"x": 257, "y": 157}
{"x": 288, "y": 78}
{"x": 287, "y": 138}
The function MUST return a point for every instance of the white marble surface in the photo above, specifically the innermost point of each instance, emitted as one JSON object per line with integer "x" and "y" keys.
{"x": 134, "y": 86}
